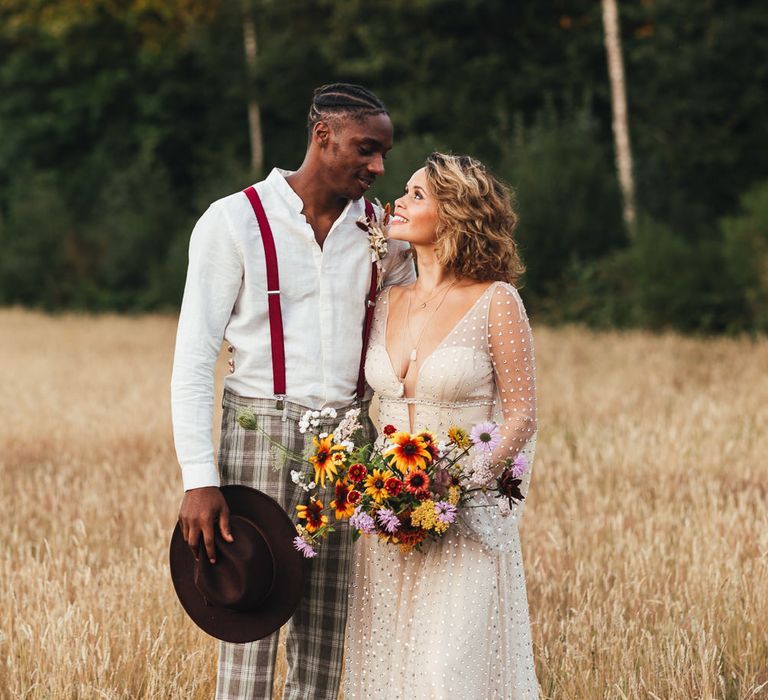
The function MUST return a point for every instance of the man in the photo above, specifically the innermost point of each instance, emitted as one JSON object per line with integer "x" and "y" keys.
{"x": 324, "y": 268}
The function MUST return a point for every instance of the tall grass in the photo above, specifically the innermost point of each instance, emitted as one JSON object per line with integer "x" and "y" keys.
{"x": 645, "y": 534}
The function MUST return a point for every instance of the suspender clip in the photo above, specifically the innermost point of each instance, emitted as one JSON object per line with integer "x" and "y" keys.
{"x": 279, "y": 401}
{"x": 371, "y": 304}
{"x": 273, "y": 291}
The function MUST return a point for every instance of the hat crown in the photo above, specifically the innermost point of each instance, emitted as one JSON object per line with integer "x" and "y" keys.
{"x": 243, "y": 575}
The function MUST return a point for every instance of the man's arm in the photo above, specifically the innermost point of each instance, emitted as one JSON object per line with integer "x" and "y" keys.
{"x": 214, "y": 277}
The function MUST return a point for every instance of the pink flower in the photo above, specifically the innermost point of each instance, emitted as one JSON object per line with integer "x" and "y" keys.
{"x": 519, "y": 466}
{"x": 446, "y": 512}
{"x": 301, "y": 545}
{"x": 388, "y": 520}
{"x": 486, "y": 436}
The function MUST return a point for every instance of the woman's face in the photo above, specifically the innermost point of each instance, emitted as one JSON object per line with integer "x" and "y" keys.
{"x": 415, "y": 215}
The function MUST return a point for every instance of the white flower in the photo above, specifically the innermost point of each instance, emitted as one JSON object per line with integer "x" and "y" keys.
{"x": 323, "y": 435}
{"x": 315, "y": 414}
{"x": 348, "y": 445}
{"x": 295, "y": 476}
{"x": 311, "y": 485}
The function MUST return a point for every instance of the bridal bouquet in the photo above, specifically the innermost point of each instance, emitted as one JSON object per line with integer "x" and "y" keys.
{"x": 404, "y": 488}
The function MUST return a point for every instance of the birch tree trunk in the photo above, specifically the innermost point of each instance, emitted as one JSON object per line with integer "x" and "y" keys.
{"x": 254, "y": 113}
{"x": 619, "y": 110}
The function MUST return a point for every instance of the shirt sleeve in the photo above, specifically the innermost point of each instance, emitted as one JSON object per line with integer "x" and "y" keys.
{"x": 510, "y": 345}
{"x": 398, "y": 264}
{"x": 214, "y": 278}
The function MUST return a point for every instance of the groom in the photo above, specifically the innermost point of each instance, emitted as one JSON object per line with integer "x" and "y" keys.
{"x": 297, "y": 336}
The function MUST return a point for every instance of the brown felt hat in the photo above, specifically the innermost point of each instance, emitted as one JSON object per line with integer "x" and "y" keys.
{"x": 256, "y": 582}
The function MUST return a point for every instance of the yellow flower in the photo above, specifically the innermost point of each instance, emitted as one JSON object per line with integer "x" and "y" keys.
{"x": 409, "y": 452}
{"x": 459, "y": 437}
{"x": 425, "y": 515}
{"x": 344, "y": 509}
{"x": 375, "y": 484}
{"x": 313, "y": 514}
{"x": 324, "y": 460}
{"x": 454, "y": 495}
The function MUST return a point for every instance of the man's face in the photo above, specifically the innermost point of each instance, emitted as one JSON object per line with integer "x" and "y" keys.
{"x": 353, "y": 154}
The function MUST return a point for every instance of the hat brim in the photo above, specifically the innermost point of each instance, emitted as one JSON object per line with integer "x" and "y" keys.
{"x": 244, "y": 626}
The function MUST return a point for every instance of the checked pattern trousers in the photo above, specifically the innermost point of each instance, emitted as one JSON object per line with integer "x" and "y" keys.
{"x": 315, "y": 632}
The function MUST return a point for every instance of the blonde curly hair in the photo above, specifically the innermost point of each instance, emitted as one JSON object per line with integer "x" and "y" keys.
{"x": 475, "y": 220}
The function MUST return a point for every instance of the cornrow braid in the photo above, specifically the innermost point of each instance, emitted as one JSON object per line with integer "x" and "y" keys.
{"x": 343, "y": 101}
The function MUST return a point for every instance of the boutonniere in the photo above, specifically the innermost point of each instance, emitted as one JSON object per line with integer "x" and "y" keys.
{"x": 376, "y": 229}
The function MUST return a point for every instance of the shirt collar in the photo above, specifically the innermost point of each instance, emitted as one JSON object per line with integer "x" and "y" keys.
{"x": 276, "y": 179}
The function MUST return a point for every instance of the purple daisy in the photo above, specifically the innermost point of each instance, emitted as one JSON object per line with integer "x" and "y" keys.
{"x": 519, "y": 466}
{"x": 486, "y": 436}
{"x": 360, "y": 520}
{"x": 446, "y": 512}
{"x": 301, "y": 545}
{"x": 388, "y": 520}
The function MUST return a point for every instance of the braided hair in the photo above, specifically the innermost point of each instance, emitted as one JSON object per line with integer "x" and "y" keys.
{"x": 336, "y": 101}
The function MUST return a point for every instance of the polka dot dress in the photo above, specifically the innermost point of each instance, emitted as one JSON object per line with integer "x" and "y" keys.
{"x": 451, "y": 620}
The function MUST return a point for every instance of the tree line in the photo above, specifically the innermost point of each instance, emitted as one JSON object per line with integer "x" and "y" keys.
{"x": 120, "y": 120}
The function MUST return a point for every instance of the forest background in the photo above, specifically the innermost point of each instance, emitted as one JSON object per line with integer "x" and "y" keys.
{"x": 121, "y": 120}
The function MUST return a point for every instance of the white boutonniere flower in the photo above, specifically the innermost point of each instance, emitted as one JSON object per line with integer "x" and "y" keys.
{"x": 377, "y": 229}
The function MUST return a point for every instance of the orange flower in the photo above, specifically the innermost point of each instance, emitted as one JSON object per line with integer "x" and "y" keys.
{"x": 417, "y": 483}
{"x": 410, "y": 452}
{"x": 344, "y": 508}
{"x": 325, "y": 459}
{"x": 313, "y": 514}
{"x": 375, "y": 485}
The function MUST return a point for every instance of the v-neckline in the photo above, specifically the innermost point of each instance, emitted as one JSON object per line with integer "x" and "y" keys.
{"x": 435, "y": 349}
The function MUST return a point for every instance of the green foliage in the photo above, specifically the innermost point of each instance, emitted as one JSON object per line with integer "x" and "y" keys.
{"x": 566, "y": 193}
{"x": 121, "y": 121}
{"x": 745, "y": 246}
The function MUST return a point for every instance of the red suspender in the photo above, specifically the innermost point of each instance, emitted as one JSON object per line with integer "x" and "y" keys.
{"x": 273, "y": 298}
{"x": 273, "y": 301}
{"x": 370, "y": 303}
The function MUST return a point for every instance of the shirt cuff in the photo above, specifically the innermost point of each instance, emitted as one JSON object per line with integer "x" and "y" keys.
{"x": 196, "y": 476}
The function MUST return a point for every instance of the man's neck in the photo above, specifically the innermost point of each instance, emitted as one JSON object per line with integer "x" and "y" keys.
{"x": 318, "y": 201}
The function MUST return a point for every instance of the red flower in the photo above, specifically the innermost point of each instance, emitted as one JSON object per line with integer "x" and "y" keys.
{"x": 417, "y": 483}
{"x": 394, "y": 486}
{"x": 356, "y": 473}
{"x": 354, "y": 497}
{"x": 389, "y": 430}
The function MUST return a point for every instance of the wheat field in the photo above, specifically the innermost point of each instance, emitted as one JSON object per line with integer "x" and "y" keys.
{"x": 645, "y": 534}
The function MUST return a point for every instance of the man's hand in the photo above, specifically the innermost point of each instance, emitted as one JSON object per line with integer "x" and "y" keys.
{"x": 199, "y": 511}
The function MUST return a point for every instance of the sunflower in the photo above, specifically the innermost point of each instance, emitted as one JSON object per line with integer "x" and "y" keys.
{"x": 417, "y": 483}
{"x": 459, "y": 437}
{"x": 325, "y": 460}
{"x": 375, "y": 485}
{"x": 344, "y": 508}
{"x": 313, "y": 514}
{"x": 409, "y": 452}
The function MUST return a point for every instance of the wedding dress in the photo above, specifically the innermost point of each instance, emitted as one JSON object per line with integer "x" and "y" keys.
{"x": 451, "y": 620}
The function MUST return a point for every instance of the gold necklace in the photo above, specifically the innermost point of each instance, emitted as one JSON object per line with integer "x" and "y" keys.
{"x": 423, "y": 305}
{"x": 415, "y": 346}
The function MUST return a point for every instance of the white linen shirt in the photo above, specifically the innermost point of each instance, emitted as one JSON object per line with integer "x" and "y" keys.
{"x": 322, "y": 297}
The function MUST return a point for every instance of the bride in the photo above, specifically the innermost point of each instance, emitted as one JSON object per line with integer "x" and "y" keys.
{"x": 453, "y": 349}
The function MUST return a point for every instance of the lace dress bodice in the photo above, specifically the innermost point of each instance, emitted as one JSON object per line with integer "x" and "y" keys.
{"x": 482, "y": 370}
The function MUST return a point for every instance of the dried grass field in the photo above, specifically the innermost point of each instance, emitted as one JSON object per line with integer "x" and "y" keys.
{"x": 645, "y": 534}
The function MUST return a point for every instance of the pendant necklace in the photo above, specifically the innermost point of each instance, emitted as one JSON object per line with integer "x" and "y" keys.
{"x": 423, "y": 305}
{"x": 415, "y": 346}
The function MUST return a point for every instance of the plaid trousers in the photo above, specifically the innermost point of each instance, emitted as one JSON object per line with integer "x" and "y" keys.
{"x": 315, "y": 632}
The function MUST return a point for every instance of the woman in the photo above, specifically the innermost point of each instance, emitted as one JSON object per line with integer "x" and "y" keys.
{"x": 453, "y": 349}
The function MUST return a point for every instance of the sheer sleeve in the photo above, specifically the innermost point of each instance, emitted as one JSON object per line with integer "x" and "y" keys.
{"x": 488, "y": 518}
{"x": 510, "y": 346}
